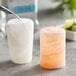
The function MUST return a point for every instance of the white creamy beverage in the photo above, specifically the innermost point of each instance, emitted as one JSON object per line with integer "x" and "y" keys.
{"x": 20, "y": 39}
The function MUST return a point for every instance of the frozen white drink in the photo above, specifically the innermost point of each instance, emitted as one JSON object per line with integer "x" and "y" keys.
{"x": 20, "y": 40}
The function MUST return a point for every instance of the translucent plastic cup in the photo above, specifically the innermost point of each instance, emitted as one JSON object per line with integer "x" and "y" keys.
{"x": 20, "y": 40}
{"x": 52, "y": 47}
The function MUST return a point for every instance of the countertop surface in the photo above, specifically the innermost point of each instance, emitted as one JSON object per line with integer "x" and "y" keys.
{"x": 46, "y": 18}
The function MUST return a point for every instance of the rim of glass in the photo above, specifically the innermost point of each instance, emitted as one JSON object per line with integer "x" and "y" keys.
{"x": 62, "y": 30}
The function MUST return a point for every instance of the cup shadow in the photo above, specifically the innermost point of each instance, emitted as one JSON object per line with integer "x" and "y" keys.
{"x": 34, "y": 71}
{"x": 8, "y": 65}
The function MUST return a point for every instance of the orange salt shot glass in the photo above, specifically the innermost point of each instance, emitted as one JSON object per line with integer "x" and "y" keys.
{"x": 52, "y": 47}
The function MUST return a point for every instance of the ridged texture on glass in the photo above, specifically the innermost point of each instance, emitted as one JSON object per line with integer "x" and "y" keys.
{"x": 52, "y": 48}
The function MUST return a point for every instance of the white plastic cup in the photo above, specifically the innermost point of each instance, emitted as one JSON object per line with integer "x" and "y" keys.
{"x": 20, "y": 40}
